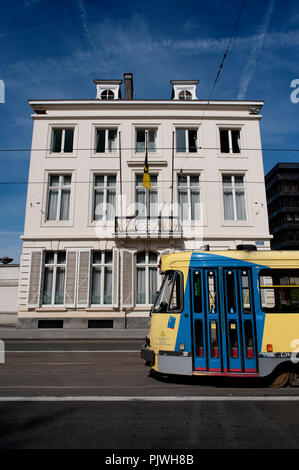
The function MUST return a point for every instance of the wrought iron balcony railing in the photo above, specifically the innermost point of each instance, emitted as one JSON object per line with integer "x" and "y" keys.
{"x": 148, "y": 226}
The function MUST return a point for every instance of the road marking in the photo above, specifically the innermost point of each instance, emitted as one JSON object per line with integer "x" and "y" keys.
{"x": 147, "y": 399}
{"x": 74, "y": 351}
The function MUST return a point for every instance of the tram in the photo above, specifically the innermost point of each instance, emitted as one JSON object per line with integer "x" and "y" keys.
{"x": 227, "y": 313}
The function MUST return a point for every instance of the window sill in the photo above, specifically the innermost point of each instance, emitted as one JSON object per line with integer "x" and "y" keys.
{"x": 46, "y": 308}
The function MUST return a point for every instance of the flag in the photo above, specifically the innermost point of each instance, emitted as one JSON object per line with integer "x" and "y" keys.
{"x": 146, "y": 176}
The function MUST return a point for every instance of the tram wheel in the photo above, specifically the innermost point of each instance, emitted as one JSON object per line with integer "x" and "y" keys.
{"x": 280, "y": 380}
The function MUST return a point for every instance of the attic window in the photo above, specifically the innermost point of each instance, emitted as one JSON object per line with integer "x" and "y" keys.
{"x": 107, "y": 95}
{"x": 185, "y": 95}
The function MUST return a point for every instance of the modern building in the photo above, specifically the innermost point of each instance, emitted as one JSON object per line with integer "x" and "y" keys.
{"x": 282, "y": 188}
{"x": 93, "y": 233}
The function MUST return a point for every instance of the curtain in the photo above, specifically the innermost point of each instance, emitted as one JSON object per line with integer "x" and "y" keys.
{"x": 112, "y": 140}
{"x": 152, "y": 284}
{"x": 228, "y": 204}
{"x": 108, "y": 286}
{"x": 140, "y": 288}
{"x": 52, "y": 204}
{"x": 153, "y": 202}
{"x": 141, "y": 202}
{"x": 59, "y": 288}
{"x": 98, "y": 204}
{"x": 65, "y": 204}
{"x": 110, "y": 204}
{"x": 195, "y": 205}
{"x": 47, "y": 290}
{"x": 183, "y": 203}
{"x": 96, "y": 286}
{"x": 240, "y": 204}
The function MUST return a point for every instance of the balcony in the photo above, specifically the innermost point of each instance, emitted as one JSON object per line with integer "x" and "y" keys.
{"x": 148, "y": 227}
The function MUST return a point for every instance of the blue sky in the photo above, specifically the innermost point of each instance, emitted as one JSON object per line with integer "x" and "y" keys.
{"x": 55, "y": 49}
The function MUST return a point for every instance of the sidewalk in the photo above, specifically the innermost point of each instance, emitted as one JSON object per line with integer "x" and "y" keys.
{"x": 70, "y": 334}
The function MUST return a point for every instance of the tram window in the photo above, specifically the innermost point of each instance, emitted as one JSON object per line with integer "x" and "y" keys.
{"x": 233, "y": 339}
{"x": 248, "y": 333}
{"x": 170, "y": 296}
{"x": 245, "y": 292}
{"x": 214, "y": 346}
{"x": 279, "y": 290}
{"x": 212, "y": 292}
{"x": 175, "y": 300}
{"x": 230, "y": 292}
{"x": 199, "y": 339}
{"x": 197, "y": 292}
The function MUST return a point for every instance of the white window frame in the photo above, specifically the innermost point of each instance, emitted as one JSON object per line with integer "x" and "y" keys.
{"x": 61, "y": 186}
{"x": 105, "y": 188}
{"x": 63, "y": 129}
{"x": 233, "y": 187}
{"x": 146, "y": 265}
{"x": 229, "y": 130}
{"x": 106, "y": 151}
{"x": 102, "y": 265}
{"x": 147, "y": 129}
{"x": 189, "y": 189}
{"x": 54, "y": 267}
{"x": 186, "y": 129}
{"x": 140, "y": 188}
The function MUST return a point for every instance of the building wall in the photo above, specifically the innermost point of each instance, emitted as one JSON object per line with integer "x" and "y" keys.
{"x": 80, "y": 232}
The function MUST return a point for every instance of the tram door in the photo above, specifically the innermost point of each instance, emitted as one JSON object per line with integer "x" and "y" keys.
{"x": 223, "y": 320}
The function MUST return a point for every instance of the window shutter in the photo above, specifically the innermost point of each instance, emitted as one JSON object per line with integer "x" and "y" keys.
{"x": 35, "y": 278}
{"x": 70, "y": 281}
{"x": 115, "y": 293}
{"x": 127, "y": 279}
{"x": 83, "y": 278}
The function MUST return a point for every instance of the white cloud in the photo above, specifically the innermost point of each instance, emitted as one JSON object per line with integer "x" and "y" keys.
{"x": 255, "y": 52}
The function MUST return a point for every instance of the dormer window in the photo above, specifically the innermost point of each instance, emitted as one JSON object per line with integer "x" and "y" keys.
{"x": 184, "y": 90}
{"x": 107, "y": 95}
{"x": 108, "y": 89}
{"x": 185, "y": 95}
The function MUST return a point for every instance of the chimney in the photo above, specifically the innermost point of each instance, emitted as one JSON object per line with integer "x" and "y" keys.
{"x": 128, "y": 81}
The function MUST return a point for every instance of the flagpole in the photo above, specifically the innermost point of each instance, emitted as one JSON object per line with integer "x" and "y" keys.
{"x": 147, "y": 189}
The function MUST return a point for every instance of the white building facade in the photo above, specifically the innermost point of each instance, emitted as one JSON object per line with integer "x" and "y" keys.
{"x": 93, "y": 233}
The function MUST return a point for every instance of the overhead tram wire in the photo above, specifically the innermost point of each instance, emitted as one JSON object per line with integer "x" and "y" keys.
{"x": 244, "y": 149}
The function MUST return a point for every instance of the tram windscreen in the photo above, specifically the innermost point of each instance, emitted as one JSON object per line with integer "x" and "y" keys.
{"x": 169, "y": 297}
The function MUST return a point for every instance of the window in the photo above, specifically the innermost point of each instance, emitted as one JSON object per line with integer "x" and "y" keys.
{"x": 107, "y": 95}
{"x": 279, "y": 290}
{"x": 59, "y": 191}
{"x": 141, "y": 138}
{"x": 104, "y": 197}
{"x": 170, "y": 297}
{"x": 147, "y": 201}
{"x": 106, "y": 140}
{"x": 234, "y": 197}
{"x": 186, "y": 140}
{"x": 101, "y": 290}
{"x": 146, "y": 277}
{"x": 54, "y": 278}
{"x": 62, "y": 140}
{"x": 230, "y": 140}
{"x": 189, "y": 197}
{"x": 185, "y": 95}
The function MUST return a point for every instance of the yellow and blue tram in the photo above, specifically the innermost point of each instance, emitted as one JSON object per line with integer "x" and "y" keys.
{"x": 226, "y": 313}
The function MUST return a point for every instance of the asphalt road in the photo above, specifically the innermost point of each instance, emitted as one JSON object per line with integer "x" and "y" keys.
{"x": 99, "y": 395}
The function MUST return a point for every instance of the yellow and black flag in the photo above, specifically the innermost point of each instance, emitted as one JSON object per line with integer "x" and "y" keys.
{"x": 146, "y": 176}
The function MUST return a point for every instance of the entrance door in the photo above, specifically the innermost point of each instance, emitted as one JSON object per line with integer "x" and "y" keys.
{"x": 223, "y": 320}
